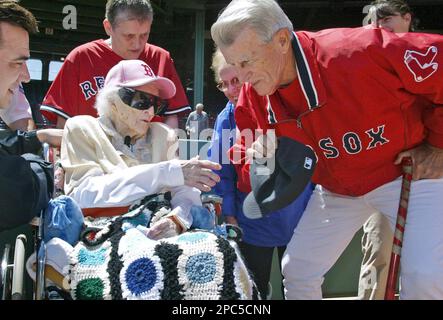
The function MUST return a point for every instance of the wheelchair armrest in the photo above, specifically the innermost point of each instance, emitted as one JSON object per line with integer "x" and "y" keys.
{"x": 213, "y": 198}
{"x": 212, "y": 202}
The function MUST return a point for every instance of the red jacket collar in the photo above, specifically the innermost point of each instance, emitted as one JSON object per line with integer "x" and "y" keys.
{"x": 308, "y": 72}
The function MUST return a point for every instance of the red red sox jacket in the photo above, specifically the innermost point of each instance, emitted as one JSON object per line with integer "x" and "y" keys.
{"x": 361, "y": 97}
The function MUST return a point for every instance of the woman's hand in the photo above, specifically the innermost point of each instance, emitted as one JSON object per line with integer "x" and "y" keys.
{"x": 163, "y": 228}
{"x": 198, "y": 173}
{"x": 51, "y": 136}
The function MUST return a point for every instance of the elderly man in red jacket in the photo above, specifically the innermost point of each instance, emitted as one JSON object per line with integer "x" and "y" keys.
{"x": 349, "y": 94}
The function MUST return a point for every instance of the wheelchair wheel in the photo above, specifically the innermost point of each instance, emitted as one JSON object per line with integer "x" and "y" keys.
{"x": 5, "y": 274}
{"x": 18, "y": 268}
{"x": 40, "y": 292}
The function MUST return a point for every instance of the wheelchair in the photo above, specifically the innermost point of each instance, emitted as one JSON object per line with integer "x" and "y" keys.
{"x": 12, "y": 273}
{"x": 12, "y": 269}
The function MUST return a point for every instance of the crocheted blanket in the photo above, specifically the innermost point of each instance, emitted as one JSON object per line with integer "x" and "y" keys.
{"x": 117, "y": 261}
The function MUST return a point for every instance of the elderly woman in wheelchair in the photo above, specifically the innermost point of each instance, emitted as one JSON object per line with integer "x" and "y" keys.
{"x": 121, "y": 156}
{"x": 123, "y": 165}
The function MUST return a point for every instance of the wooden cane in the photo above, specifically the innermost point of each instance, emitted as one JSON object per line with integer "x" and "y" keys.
{"x": 394, "y": 264}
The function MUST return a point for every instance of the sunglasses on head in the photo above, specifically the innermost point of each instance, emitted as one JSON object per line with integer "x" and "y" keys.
{"x": 142, "y": 101}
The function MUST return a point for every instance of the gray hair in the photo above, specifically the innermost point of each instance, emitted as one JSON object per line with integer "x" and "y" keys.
{"x": 106, "y": 97}
{"x": 263, "y": 16}
{"x": 218, "y": 62}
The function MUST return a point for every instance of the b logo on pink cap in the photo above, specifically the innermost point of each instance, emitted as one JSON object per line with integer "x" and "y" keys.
{"x": 138, "y": 74}
{"x": 148, "y": 70}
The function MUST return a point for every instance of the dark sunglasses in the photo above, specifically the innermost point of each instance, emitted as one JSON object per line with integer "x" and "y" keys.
{"x": 142, "y": 101}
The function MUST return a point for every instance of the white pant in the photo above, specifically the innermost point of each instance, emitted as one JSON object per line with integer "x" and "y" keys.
{"x": 331, "y": 220}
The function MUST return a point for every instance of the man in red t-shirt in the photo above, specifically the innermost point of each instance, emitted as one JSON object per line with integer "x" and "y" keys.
{"x": 128, "y": 24}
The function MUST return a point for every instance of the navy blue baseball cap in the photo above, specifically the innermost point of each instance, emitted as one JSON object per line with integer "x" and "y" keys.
{"x": 294, "y": 164}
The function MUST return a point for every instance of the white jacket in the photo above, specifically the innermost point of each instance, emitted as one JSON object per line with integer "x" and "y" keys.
{"x": 101, "y": 171}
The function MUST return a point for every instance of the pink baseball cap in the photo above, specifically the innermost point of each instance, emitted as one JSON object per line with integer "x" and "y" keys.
{"x": 138, "y": 75}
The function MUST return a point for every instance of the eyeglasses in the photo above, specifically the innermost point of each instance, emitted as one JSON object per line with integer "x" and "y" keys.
{"x": 223, "y": 85}
{"x": 142, "y": 101}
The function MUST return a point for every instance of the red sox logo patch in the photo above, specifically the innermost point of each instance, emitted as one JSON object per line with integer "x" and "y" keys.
{"x": 148, "y": 70}
{"x": 421, "y": 65}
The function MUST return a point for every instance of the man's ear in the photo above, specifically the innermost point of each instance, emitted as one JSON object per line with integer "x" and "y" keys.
{"x": 283, "y": 38}
{"x": 407, "y": 17}
{"x": 108, "y": 27}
